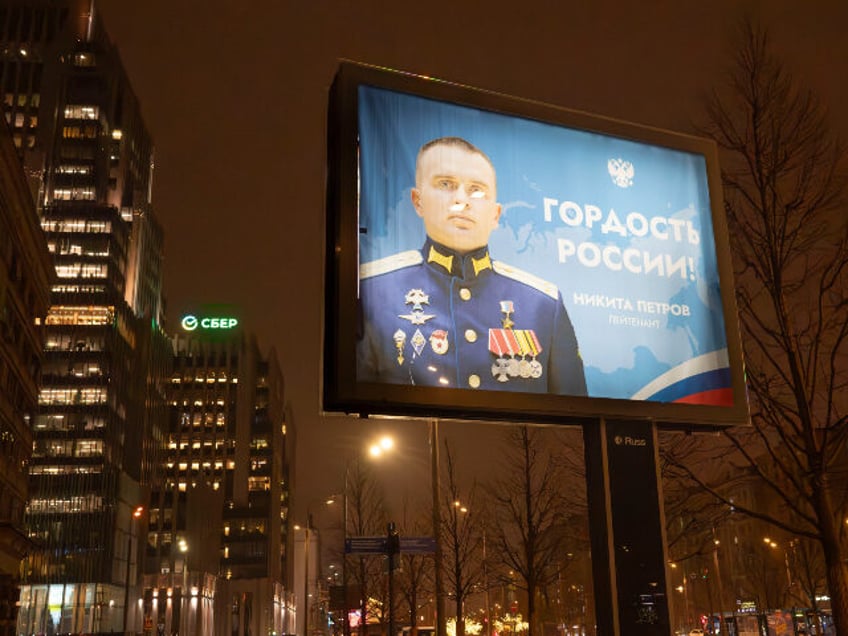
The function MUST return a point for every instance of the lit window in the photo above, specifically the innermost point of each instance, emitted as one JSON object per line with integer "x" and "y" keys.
{"x": 95, "y": 316}
{"x": 68, "y": 168}
{"x": 84, "y": 59}
{"x": 83, "y": 395}
{"x": 82, "y": 111}
{"x": 259, "y": 483}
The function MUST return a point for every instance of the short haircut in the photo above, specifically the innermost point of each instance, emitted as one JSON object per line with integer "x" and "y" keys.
{"x": 457, "y": 142}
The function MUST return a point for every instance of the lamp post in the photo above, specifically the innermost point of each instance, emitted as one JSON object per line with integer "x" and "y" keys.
{"x": 716, "y": 543}
{"x": 345, "y": 610}
{"x": 435, "y": 482}
{"x": 135, "y": 516}
{"x": 306, "y": 573}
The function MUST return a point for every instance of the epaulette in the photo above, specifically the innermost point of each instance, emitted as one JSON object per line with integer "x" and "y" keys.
{"x": 527, "y": 278}
{"x": 390, "y": 263}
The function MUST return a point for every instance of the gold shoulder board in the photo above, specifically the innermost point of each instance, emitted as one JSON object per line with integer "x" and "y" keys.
{"x": 527, "y": 278}
{"x": 390, "y": 263}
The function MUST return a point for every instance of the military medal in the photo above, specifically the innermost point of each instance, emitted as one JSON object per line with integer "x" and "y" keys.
{"x": 535, "y": 368}
{"x": 497, "y": 345}
{"x": 439, "y": 341}
{"x": 533, "y": 349}
{"x": 524, "y": 363}
{"x": 507, "y": 309}
{"x": 499, "y": 370}
{"x": 512, "y": 366}
{"x": 400, "y": 339}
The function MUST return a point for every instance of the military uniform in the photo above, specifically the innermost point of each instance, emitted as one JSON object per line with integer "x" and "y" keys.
{"x": 437, "y": 318}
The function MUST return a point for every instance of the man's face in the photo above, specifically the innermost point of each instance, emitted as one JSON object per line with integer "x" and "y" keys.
{"x": 455, "y": 195}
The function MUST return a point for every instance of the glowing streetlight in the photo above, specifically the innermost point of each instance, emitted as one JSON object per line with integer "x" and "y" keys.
{"x": 381, "y": 446}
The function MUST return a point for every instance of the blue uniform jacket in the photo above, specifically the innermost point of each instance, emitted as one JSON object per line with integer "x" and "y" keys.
{"x": 437, "y": 318}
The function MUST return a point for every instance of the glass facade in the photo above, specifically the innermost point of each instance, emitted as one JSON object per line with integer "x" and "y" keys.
{"x": 97, "y": 435}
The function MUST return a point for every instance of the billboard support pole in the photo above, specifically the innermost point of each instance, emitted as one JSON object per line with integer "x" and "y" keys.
{"x": 600, "y": 527}
{"x": 627, "y": 528}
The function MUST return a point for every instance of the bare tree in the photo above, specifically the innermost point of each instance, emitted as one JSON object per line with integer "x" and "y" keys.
{"x": 416, "y": 569}
{"x": 531, "y": 512}
{"x": 366, "y": 511}
{"x": 462, "y": 541}
{"x": 784, "y": 182}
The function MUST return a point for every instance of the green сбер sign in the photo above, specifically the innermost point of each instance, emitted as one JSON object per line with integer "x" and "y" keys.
{"x": 208, "y": 323}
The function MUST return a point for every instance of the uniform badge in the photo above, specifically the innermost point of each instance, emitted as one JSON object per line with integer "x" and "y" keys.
{"x": 417, "y": 317}
{"x": 400, "y": 340}
{"x": 417, "y": 298}
{"x": 418, "y": 342}
{"x": 439, "y": 341}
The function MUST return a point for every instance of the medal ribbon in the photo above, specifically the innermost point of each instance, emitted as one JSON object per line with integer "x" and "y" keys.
{"x": 523, "y": 341}
{"x": 512, "y": 342}
{"x": 497, "y": 344}
{"x": 531, "y": 341}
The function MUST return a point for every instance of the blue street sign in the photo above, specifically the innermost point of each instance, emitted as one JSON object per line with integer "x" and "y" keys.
{"x": 379, "y": 545}
{"x": 417, "y": 545}
{"x": 365, "y": 545}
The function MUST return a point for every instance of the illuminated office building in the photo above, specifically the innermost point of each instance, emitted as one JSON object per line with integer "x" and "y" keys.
{"x": 78, "y": 131}
{"x": 25, "y": 273}
{"x": 215, "y": 560}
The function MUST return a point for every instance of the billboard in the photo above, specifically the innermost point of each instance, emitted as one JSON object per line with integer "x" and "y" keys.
{"x": 490, "y": 257}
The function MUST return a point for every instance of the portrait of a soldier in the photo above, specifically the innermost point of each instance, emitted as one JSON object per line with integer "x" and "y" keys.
{"x": 451, "y": 315}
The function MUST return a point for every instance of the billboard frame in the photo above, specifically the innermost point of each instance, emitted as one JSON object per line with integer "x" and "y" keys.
{"x": 342, "y": 393}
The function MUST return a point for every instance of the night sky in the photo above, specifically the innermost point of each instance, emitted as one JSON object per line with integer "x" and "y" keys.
{"x": 235, "y": 96}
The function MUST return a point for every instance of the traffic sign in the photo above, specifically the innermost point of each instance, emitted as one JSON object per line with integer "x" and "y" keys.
{"x": 417, "y": 545}
{"x": 379, "y": 545}
{"x": 365, "y": 545}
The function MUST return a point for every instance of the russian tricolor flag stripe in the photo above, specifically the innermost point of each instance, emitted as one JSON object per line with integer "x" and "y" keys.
{"x": 702, "y": 380}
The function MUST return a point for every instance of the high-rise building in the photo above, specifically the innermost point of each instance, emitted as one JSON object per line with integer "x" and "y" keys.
{"x": 79, "y": 134}
{"x": 215, "y": 561}
{"x": 25, "y": 273}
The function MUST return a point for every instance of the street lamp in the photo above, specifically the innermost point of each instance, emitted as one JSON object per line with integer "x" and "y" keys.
{"x": 436, "y": 486}
{"x": 376, "y": 450}
{"x": 139, "y": 510}
{"x": 381, "y": 446}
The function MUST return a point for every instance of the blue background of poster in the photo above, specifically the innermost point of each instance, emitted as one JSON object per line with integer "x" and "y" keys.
{"x": 627, "y": 344}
